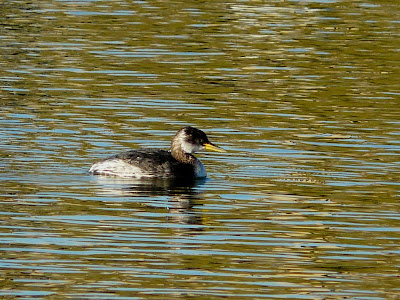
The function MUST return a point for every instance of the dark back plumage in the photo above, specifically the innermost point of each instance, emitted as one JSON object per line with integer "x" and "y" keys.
{"x": 159, "y": 163}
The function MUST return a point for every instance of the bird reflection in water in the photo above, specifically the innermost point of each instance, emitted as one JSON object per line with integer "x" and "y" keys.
{"x": 179, "y": 197}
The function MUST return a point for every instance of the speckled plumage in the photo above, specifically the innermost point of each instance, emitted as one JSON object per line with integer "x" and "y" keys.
{"x": 144, "y": 163}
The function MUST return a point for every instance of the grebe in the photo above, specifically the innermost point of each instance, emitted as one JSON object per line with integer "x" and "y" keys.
{"x": 155, "y": 163}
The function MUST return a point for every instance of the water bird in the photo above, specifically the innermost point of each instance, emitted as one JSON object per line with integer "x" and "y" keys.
{"x": 179, "y": 162}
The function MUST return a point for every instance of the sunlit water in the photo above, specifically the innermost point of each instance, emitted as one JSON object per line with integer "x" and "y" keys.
{"x": 304, "y": 95}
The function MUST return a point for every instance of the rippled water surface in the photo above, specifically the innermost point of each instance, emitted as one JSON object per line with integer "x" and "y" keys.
{"x": 304, "y": 95}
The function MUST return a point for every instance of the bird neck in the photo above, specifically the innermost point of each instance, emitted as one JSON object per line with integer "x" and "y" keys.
{"x": 181, "y": 156}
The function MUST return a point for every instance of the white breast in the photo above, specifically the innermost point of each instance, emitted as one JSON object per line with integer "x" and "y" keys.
{"x": 199, "y": 170}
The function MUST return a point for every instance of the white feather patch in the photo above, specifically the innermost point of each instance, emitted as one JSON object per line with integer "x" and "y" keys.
{"x": 117, "y": 167}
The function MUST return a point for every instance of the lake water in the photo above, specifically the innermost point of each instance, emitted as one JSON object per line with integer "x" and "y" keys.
{"x": 305, "y": 97}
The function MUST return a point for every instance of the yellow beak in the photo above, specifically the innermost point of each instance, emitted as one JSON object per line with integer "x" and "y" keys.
{"x": 212, "y": 147}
